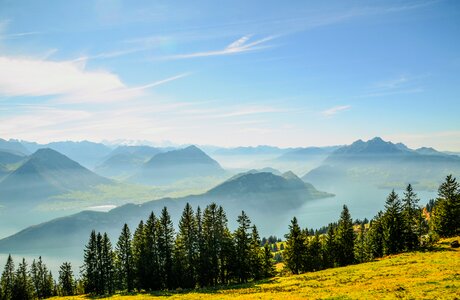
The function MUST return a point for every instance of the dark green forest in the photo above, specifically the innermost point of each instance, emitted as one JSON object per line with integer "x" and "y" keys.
{"x": 204, "y": 252}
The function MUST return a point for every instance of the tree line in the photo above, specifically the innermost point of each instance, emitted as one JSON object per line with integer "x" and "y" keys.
{"x": 36, "y": 282}
{"x": 402, "y": 226}
{"x": 202, "y": 253}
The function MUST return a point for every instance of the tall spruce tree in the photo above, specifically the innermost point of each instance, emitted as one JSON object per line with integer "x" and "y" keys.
{"x": 107, "y": 265}
{"x": 90, "y": 269}
{"x": 445, "y": 215}
{"x": 66, "y": 280}
{"x": 345, "y": 238}
{"x": 152, "y": 259}
{"x": 256, "y": 255}
{"x": 393, "y": 225}
{"x": 140, "y": 257}
{"x": 243, "y": 248}
{"x": 186, "y": 248}
{"x": 410, "y": 212}
{"x": 374, "y": 238}
{"x": 165, "y": 249}
{"x": 8, "y": 279}
{"x": 295, "y": 249}
{"x": 329, "y": 247}
{"x": 211, "y": 246}
{"x": 124, "y": 260}
{"x": 315, "y": 252}
{"x": 268, "y": 268}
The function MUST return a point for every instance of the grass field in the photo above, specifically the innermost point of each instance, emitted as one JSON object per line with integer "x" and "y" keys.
{"x": 418, "y": 275}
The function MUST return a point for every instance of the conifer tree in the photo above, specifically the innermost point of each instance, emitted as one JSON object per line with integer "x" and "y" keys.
{"x": 267, "y": 266}
{"x": 186, "y": 248}
{"x": 242, "y": 248}
{"x": 90, "y": 268}
{"x": 165, "y": 249}
{"x": 360, "y": 245}
{"x": 23, "y": 287}
{"x": 211, "y": 247}
{"x": 226, "y": 248}
{"x": 124, "y": 260}
{"x": 152, "y": 259}
{"x": 393, "y": 225}
{"x": 446, "y": 212}
{"x": 329, "y": 248}
{"x": 256, "y": 257}
{"x": 315, "y": 253}
{"x": 374, "y": 237}
{"x": 107, "y": 265}
{"x": 8, "y": 279}
{"x": 66, "y": 280}
{"x": 295, "y": 248}
{"x": 139, "y": 257}
{"x": 345, "y": 238}
{"x": 410, "y": 213}
{"x": 201, "y": 263}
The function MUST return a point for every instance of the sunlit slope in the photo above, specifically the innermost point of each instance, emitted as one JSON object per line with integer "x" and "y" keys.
{"x": 418, "y": 275}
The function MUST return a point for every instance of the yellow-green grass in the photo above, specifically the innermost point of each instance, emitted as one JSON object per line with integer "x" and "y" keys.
{"x": 418, "y": 275}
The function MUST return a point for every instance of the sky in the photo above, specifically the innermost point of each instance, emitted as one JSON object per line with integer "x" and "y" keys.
{"x": 231, "y": 73}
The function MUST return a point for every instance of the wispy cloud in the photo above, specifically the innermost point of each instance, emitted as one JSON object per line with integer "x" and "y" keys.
{"x": 400, "y": 84}
{"x": 335, "y": 110}
{"x": 69, "y": 81}
{"x": 239, "y": 46}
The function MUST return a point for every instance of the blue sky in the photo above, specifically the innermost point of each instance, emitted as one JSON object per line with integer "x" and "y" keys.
{"x": 230, "y": 73}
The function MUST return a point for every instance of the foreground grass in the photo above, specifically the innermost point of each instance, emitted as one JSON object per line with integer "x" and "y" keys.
{"x": 418, "y": 275}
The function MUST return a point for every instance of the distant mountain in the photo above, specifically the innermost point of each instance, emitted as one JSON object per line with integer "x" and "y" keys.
{"x": 13, "y": 146}
{"x": 7, "y": 157}
{"x": 265, "y": 197}
{"x": 378, "y": 161}
{"x": 46, "y": 173}
{"x": 86, "y": 153}
{"x": 259, "y": 150}
{"x": 125, "y": 160}
{"x": 307, "y": 154}
{"x": 165, "y": 168}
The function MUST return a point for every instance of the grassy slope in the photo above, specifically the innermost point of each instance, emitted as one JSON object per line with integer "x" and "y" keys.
{"x": 419, "y": 275}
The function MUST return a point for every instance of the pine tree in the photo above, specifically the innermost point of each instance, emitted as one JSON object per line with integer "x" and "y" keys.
{"x": 211, "y": 246}
{"x": 345, "y": 239}
{"x": 107, "y": 265}
{"x": 360, "y": 245}
{"x": 226, "y": 247}
{"x": 202, "y": 259}
{"x": 295, "y": 248}
{"x": 43, "y": 286}
{"x": 410, "y": 213}
{"x": 124, "y": 260}
{"x": 165, "y": 249}
{"x": 315, "y": 253}
{"x": 186, "y": 249}
{"x": 329, "y": 248}
{"x": 256, "y": 257}
{"x": 374, "y": 237}
{"x": 393, "y": 225}
{"x": 445, "y": 216}
{"x": 139, "y": 257}
{"x": 152, "y": 259}
{"x": 90, "y": 269}
{"x": 243, "y": 248}
{"x": 66, "y": 280}
{"x": 23, "y": 287}
{"x": 268, "y": 268}
{"x": 8, "y": 279}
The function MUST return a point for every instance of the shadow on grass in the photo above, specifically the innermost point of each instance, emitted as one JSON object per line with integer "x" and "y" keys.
{"x": 208, "y": 290}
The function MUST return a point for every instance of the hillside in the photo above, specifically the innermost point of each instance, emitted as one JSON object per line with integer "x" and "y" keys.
{"x": 165, "y": 168}
{"x": 46, "y": 173}
{"x": 417, "y": 275}
{"x": 252, "y": 192}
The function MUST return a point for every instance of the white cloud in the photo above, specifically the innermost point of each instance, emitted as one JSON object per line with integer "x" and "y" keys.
{"x": 335, "y": 110}
{"x": 239, "y": 46}
{"x": 69, "y": 80}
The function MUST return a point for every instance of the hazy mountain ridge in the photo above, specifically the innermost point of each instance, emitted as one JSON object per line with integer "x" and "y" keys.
{"x": 167, "y": 167}
{"x": 46, "y": 173}
{"x": 252, "y": 192}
